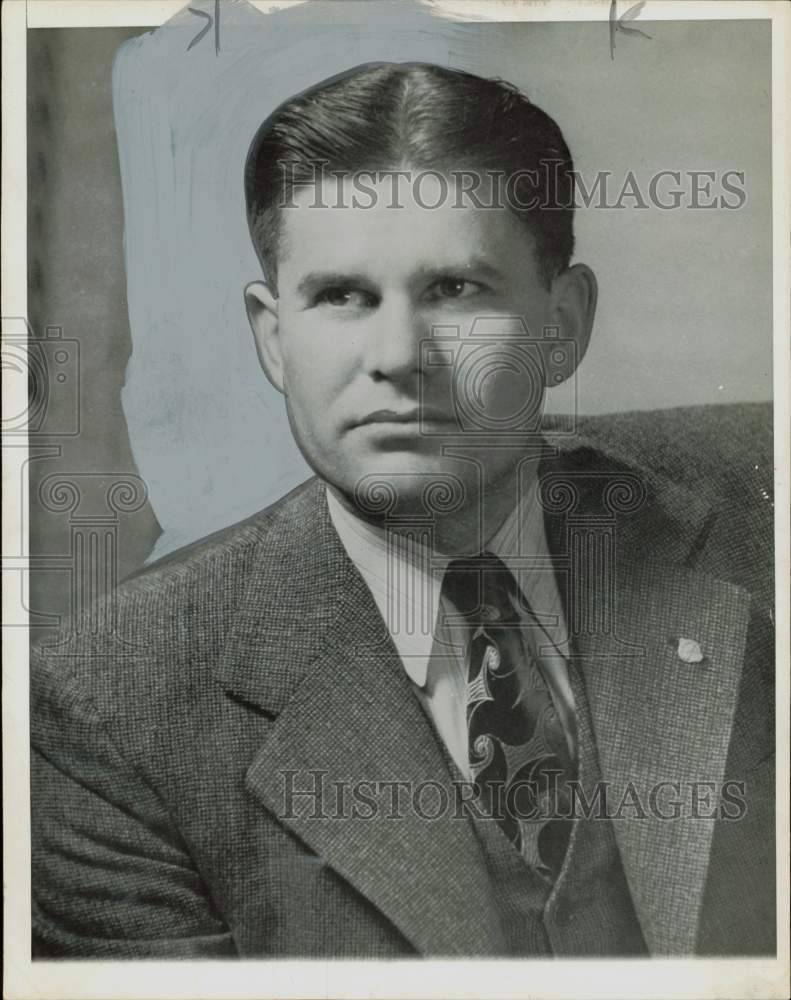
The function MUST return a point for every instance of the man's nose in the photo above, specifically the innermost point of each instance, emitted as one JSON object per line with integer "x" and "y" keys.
{"x": 393, "y": 345}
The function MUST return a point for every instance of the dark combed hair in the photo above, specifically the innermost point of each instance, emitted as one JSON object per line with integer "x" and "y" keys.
{"x": 413, "y": 115}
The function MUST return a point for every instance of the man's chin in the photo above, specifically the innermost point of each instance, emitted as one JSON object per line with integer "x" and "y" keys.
{"x": 410, "y": 483}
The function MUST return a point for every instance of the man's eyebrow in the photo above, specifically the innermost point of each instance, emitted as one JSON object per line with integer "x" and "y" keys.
{"x": 322, "y": 279}
{"x": 475, "y": 265}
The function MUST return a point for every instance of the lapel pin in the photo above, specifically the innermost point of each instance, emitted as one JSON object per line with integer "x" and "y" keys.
{"x": 689, "y": 651}
{"x": 492, "y": 658}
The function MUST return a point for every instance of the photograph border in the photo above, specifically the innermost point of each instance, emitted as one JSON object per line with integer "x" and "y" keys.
{"x": 582, "y": 978}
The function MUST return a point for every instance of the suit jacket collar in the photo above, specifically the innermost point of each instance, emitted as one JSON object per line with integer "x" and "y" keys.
{"x": 315, "y": 652}
{"x": 298, "y": 596}
{"x": 656, "y": 718}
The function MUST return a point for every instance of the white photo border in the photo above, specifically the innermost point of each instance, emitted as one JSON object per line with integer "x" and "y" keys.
{"x": 692, "y": 978}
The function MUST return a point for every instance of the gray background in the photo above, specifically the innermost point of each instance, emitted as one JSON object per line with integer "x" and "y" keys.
{"x": 685, "y": 307}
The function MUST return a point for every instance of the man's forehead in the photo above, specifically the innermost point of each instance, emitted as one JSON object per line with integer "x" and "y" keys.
{"x": 344, "y": 221}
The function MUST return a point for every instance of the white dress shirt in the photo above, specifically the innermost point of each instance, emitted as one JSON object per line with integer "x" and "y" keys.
{"x": 405, "y": 579}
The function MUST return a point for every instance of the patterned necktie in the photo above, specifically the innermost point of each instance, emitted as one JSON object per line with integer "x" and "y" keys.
{"x": 519, "y": 756}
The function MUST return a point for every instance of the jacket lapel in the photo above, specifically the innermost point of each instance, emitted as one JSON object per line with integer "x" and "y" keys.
{"x": 656, "y": 718}
{"x": 313, "y": 650}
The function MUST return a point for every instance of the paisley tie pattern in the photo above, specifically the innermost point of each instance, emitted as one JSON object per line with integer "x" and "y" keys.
{"x": 519, "y": 756}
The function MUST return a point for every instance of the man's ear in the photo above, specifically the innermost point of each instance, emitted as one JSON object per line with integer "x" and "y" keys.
{"x": 262, "y": 312}
{"x": 573, "y": 306}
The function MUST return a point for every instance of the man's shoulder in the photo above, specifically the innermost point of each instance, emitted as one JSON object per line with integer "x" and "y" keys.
{"x": 215, "y": 567}
{"x": 236, "y": 545}
{"x": 172, "y": 618}
{"x": 720, "y": 450}
{"x": 707, "y": 465}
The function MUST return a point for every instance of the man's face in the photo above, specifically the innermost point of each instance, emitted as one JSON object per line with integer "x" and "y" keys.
{"x": 350, "y": 338}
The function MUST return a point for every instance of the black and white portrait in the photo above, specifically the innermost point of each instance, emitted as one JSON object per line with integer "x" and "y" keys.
{"x": 400, "y": 484}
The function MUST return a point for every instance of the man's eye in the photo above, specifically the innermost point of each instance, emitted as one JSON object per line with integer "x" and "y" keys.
{"x": 344, "y": 297}
{"x": 454, "y": 288}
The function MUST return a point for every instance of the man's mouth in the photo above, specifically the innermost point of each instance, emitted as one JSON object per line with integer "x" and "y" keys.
{"x": 416, "y": 415}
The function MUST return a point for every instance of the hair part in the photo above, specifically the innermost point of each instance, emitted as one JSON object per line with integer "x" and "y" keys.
{"x": 391, "y": 116}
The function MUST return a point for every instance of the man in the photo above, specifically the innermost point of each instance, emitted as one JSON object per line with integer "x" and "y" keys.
{"x": 483, "y": 687}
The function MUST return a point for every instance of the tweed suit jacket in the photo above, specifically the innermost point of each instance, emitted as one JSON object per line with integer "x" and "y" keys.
{"x": 166, "y": 731}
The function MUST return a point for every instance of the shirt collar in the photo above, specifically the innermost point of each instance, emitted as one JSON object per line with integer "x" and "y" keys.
{"x": 405, "y": 576}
